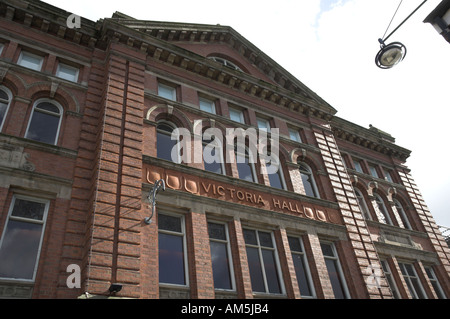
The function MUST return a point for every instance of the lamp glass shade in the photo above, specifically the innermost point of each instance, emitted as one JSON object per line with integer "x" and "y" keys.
{"x": 391, "y": 56}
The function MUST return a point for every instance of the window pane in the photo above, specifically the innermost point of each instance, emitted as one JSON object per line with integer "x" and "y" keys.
{"x": 256, "y": 275}
{"x": 170, "y": 223}
{"x": 265, "y": 239}
{"x": 19, "y": 249}
{"x": 335, "y": 279}
{"x": 236, "y": 116}
{"x": 217, "y": 231}
{"x": 275, "y": 180}
{"x": 270, "y": 268}
{"x": 294, "y": 135}
{"x": 418, "y": 288}
{"x": 263, "y": 124}
{"x": 307, "y": 184}
{"x": 30, "y": 61}
{"x": 207, "y": 106}
{"x": 212, "y": 159}
{"x": 245, "y": 170}
{"x": 67, "y": 72}
{"x": 327, "y": 250}
{"x": 43, "y": 127}
{"x": 164, "y": 146}
{"x": 3, "y": 108}
{"x": 171, "y": 259}
{"x": 166, "y": 92}
{"x": 300, "y": 271}
{"x": 250, "y": 237}
{"x": 294, "y": 244}
{"x": 47, "y": 106}
{"x": 27, "y": 209}
{"x": 220, "y": 265}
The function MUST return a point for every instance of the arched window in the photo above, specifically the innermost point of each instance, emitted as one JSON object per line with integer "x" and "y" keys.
{"x": 309, "y": 183}
{"x": 213, "y": 155}
{"x": 246, "y": 165}
{"x": 275, "y": 172}
{"x": 362, "y": 204}
{"x": 45, "y": 122}
{"x": 225, "y": 62}
{"x": 164, "y": 142}
{"x": 385, "y": 219}
{"x": 5, "y": 101}
{"x": 402, "y": 214}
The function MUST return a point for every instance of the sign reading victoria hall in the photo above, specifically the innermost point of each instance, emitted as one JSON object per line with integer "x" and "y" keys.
{"x": 237, "y": 194}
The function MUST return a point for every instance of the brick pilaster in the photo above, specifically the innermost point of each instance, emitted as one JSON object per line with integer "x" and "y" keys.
{"x": 358, "y": 233}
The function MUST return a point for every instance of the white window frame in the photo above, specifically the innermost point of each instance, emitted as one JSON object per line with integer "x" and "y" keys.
{"x": 229, "y": 253}
{"x": 279, "y": 173}
{"x": 23, "y": 219}
{"x": 433, "y": 279}
{"x": 24, "y": 54}
{"x": 170, "y": 88}
{"x": 390, "y": 279}
{"x": 238, "y": 112}
{"x": 373, "y": 171}
{"x": 358, "y": 166}
{"x": 217, "y": 146}
{"x": 263, "y": 124}
{"x": 313, "y": 180}
{"x": 307, "y": 269}
{"x": 363, "y": 206}
{"x": 68, "y": 67}
{"x": 408, "y": 279}
{"x": 247, "y": 154}
{"x": 277, "y": 261}
{"x": 61, "y": 110}
{"x": 294, "y": 135}
{"x": 8, "y": 92}
{"x": 402, "y": 213}
{"x": 174, "y": 127}
{"x": 335, "y": 258}
{"x": 210, "y": 104}
{"x": 185, "y": 250}
{"x": 383, "y": 210}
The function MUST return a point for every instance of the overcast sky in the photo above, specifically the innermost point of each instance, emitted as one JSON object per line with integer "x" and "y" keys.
{"x": 330, "y": 45}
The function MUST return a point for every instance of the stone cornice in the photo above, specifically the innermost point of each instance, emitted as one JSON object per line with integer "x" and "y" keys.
{"x": 372, "y": 138}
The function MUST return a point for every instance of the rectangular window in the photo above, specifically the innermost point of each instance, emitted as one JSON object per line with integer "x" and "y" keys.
{"x": 276, "y": 178}
{"x": 67, "y": 72}
{"x": 30, "y": 60}
{"x": 388, "y": 176}
{"x": 221, "y": 256}
{"x": 390, "y": 279}
{"x": 167, "y": 92}
{"x": 301, "y": 267}
{"x": 1, "y": 48}
{"x": 334, "y": 270}
{"x": 295, "y": 135}
{"x": 358, "y": 166}
{"x": 236, "y": 115}
{"x": 435, "y": 283}
{"x": 22, "y": 237}
{"x": 172, "y": 250}
{"x": 207, "y": 105}
{"x": 262, "y": 262}
{"x": 412, "y": 281}
{"x": 263, "y": 124}
{"x": 373, "y": 171}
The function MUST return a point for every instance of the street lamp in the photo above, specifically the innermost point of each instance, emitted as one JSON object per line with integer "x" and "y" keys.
{"x": 390, "y": 55}
{"x": 159, "y": 184}
{"x": 393, "y": 53}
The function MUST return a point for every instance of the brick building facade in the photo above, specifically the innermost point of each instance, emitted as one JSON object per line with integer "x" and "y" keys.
{"x": 85, "y": 116}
